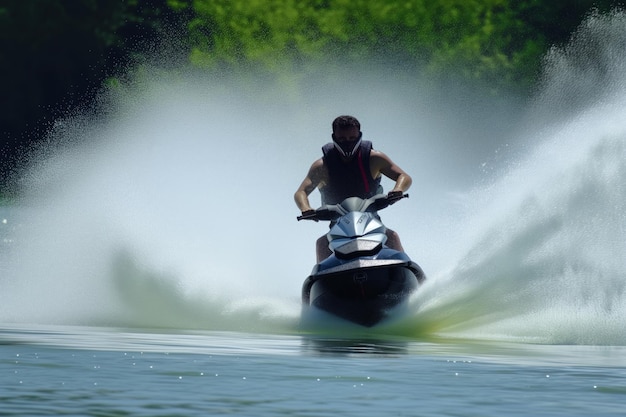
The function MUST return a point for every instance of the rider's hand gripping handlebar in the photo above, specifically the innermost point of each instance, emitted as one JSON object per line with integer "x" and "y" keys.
{"x": 308, "y": 215}
{"x": 333, "y": 211}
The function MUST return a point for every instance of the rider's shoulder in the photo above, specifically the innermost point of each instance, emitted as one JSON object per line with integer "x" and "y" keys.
{"x": 318, "y": 168}
{"x": 375, "y": 154}
{"x": 318, "y": 164}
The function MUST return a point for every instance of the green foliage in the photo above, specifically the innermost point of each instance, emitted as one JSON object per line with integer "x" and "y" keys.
{"x": 469, "y": 39}
{"x": 498, "y": 43}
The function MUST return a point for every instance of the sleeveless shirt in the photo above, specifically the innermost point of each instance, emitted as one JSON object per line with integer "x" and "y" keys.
{"x": 348, "y": 179}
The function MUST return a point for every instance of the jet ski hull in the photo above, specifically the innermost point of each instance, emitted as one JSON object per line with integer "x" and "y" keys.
{"x": 364, "y": 291}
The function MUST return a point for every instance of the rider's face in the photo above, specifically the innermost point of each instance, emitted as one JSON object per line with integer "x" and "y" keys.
{"x": 347, "y": 138}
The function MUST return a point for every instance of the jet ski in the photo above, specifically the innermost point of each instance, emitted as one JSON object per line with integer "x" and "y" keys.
{"x": 363, "y": 281}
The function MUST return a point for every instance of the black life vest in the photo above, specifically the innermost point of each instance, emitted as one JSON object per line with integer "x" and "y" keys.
{"x": 348, "y": 179}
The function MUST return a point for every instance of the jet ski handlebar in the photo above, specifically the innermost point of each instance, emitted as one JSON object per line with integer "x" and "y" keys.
{"x": 333, "y": 211}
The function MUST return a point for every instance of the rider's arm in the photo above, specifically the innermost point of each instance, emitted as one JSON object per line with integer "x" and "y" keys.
{"x": 312, "y": 180}
{"x": 382, "y": 164}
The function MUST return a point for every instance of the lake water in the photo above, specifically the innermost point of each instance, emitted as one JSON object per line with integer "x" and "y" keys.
{"x": 109, "y": 372}
{"x": 153, "y": 264}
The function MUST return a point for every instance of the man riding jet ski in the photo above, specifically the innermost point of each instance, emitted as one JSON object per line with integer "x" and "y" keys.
{"x": 350, "y": 168}
{"x": 362, "y": 272}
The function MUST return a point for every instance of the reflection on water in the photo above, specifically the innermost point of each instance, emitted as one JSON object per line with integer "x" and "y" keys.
{"x": 346, "y": 347}
{"x": 245, "y": 344}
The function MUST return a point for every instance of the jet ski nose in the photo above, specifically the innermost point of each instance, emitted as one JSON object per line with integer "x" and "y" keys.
{"x": 357, "y": 248}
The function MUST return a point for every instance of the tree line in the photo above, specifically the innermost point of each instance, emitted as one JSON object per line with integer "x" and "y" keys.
{"x": 56, "y": 55}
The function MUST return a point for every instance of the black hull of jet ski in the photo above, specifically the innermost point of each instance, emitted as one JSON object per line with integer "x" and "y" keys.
{"x": 363, "y": 291}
